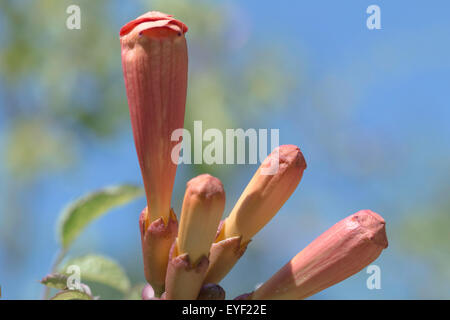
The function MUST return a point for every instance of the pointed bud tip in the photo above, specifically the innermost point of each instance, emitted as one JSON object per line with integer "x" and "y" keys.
{"x": 287, "y": 154}
{"x": 205, "y": 186}
{"x": 374, "y": 225}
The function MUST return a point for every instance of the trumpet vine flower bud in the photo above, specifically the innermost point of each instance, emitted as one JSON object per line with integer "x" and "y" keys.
{"x": 203, "y": 205}
{"x": 341, "y": 251}
{"x": 258, "y": 204}
{"x": 155, "y": 64}
{"x": 266, "y": 193}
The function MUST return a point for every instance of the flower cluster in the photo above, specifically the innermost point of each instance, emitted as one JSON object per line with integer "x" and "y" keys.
{"x": 187, "y": 260}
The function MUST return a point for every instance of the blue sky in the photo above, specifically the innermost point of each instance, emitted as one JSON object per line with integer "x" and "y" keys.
{"x": 371, "y": 116}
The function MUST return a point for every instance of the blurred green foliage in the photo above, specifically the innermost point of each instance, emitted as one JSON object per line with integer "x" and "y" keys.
{"x": 426, "y": 236}
{"x": 64, "y": 88}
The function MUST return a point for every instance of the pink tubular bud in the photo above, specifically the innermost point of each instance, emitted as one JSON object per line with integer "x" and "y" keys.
{"x": 155, "y": 64}
{"x": 266, "y": 193}
{"x": 338, "y": 253}
{"x": 261, "y": 200}
{"x": 203, "y": 206}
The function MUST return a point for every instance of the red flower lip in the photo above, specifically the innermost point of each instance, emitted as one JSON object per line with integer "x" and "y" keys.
{"x": 158, "y": 20}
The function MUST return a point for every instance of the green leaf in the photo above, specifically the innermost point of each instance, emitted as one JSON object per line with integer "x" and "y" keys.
{"x": 55, "y": 280}
{"x": 71, "y": 295}
{"x": 82, "y": 211}
{"x": 102, "y": 270}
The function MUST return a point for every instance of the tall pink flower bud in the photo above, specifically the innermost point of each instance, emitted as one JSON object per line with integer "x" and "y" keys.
{"x": 155, "y": 65}
{"x": 341, "y": 251}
